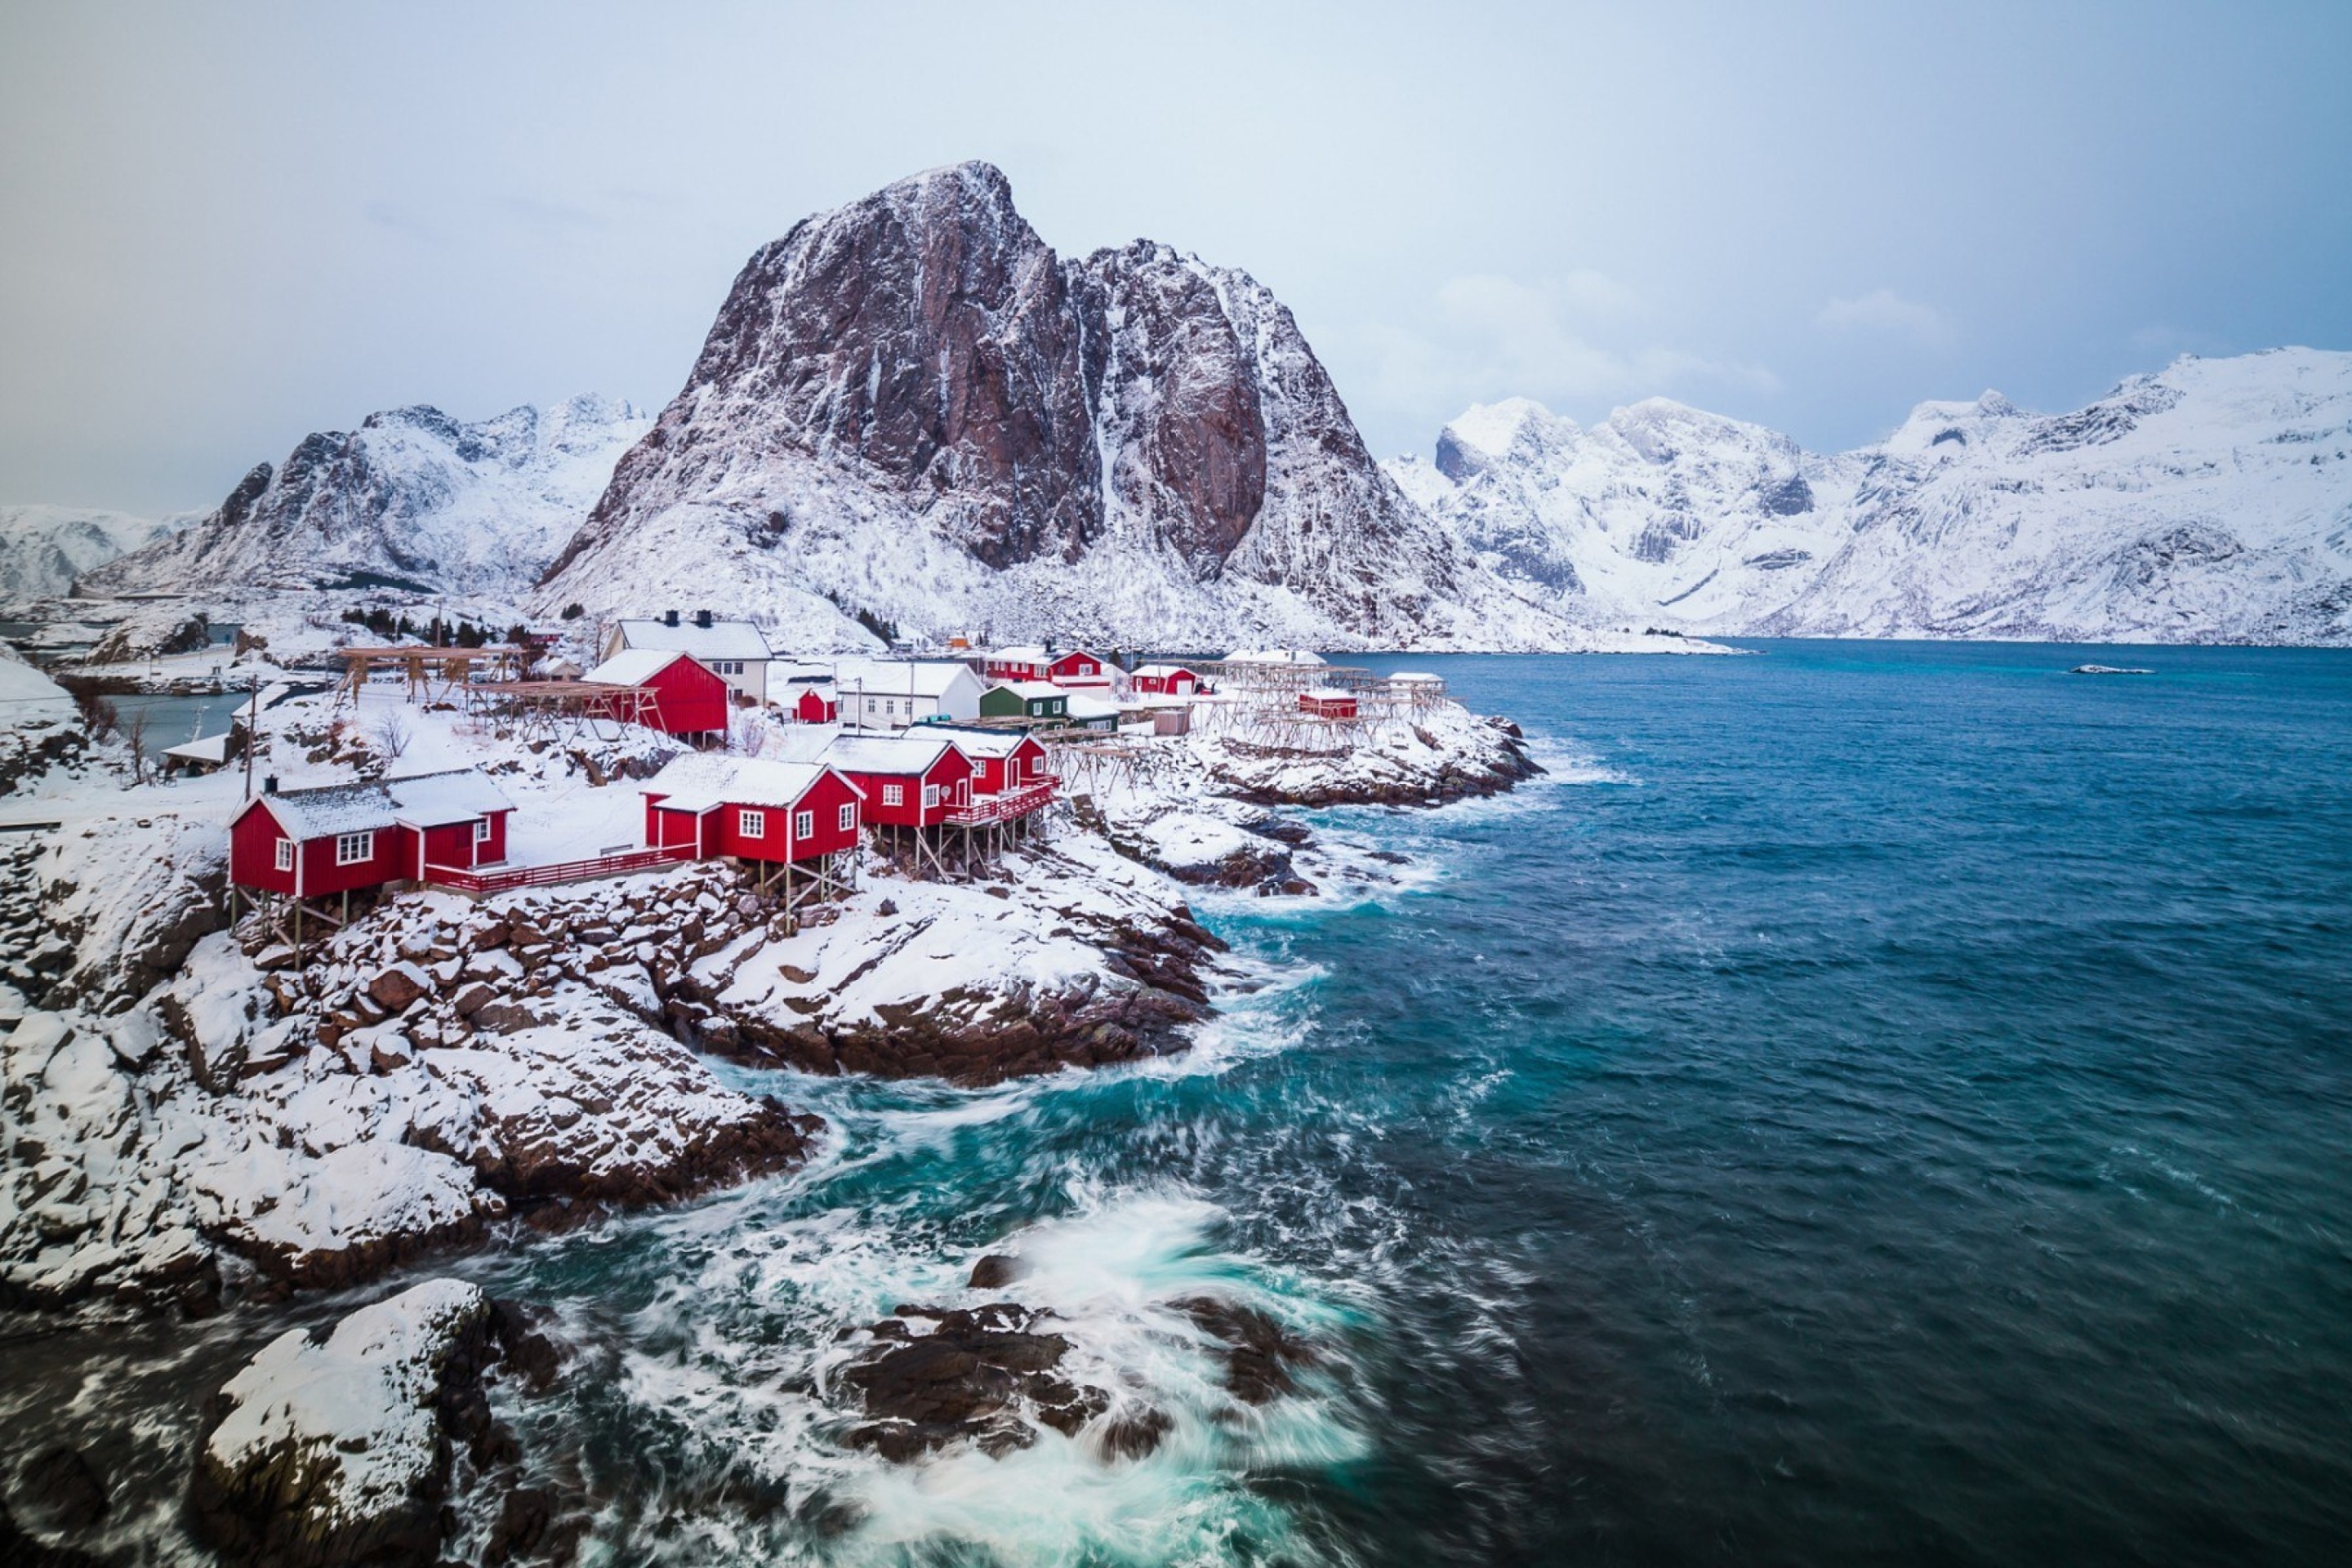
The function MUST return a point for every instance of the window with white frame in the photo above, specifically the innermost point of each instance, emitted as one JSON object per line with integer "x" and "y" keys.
{"x": 894, "y": 794}
{"x": 804, "y": 824}
{"x": 726, "y": 666}
{"x": 354, "y": 849}
{"x": 849, "y": 817}
{"x": 286, "y": 853}
{"x": 750, "y": 824}
{"x": 930, "y": 796}
{"x": 481, "y": 830}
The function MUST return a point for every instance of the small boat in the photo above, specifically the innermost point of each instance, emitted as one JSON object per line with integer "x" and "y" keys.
{"x": 2107, "y": 669}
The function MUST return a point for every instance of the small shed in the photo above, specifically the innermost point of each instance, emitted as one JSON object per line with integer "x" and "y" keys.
{"x": 1087, "y": 712}
{"x": 1328, "y": 702}
{"x": 688, "y": 696}
{"x": 816, "y": 705}
{"x": 1024, "y": 700}
{"x": 1164, "y": 680}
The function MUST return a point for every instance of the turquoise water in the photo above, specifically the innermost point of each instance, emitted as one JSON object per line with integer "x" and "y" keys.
{"x": 1869, "y": 1103}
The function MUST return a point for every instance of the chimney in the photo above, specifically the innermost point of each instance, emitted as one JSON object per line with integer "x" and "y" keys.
{"x": 269, "y": 784}
{"x": 702, "y": 619}
{"x": 670, "y": 617}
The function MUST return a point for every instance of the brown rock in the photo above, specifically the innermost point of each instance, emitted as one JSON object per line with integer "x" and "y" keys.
{"x": 398, "y": 986}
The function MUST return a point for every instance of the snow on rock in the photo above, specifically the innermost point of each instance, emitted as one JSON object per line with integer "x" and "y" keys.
{"x": 2209, "y": 501}
{"x": 412, "y": 497}
{"x": 913, "y": 408}
{"x": 340, "y": 1451}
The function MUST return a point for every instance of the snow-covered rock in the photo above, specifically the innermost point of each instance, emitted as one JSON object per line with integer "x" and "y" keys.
{"x": 412, "y": 498}
{"x": 340, "y": 1451}
{"x": 913, "y": 408}
{"x": 2210, "y": 501}
{"x": 44, "y": 548}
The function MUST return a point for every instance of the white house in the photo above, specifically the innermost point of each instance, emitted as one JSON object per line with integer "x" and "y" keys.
{"x": 890, "y": 694}
{"x": 736, "y": 651}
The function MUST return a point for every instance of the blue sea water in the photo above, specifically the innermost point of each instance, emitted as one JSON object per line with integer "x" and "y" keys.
{"x": 1867, "y": 1103}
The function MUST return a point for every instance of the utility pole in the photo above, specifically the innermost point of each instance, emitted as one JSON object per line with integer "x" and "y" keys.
{"x": 252, "y": 732}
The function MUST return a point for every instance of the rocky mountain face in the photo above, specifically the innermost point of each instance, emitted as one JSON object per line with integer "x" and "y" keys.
{"x": 2211, "y": 501}
{"x": 412, "y": 498}
{"x": 913, "y": 408}
{"x": 44, "y": 548}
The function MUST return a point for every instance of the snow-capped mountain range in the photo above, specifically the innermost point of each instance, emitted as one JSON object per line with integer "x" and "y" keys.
{"x": 413, "y": 499}
{"x": 2210, "y": 501}
{"x": 913, "y": 408}
{"x": 44, "y": 548}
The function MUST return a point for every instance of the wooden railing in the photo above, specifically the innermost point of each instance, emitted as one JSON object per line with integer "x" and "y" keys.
{"x": 1005, "y": 806}
{"x": 509, "y": 878}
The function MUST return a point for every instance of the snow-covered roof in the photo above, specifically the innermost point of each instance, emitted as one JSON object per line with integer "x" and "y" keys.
{"x": 912, "y": 753}
{"x": 701, "y": 780}
{"x": 1274, "y": 656}
{"x": 720, "y": 639}
{"x": 1030, "y": 690}
{"x": 1328, "y": 694}
{"x": 633, "y": 666}
{"x": 210, "y": 749}
{"x": 426, "y": 800}
{"x": 991, "y": 742}
{"x": 898, "y": 678}
{"x": 1026, "y": 654}
{"x": 1416, "y": 677}
{"x": 434, "y": 800}
{"x": 1164, "y": 669}
{"x": 1085, "y": 707}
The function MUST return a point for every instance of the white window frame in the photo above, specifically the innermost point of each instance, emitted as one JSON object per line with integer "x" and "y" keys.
{"x": 850, "y": 817}
{"x": 481, "y": 830}
{"x": 726, "y": 667}
{"x": 749, "y": 823}
{"x": 355, "y": 848}
{"x": 284, "y": 854}
{"x": 804, "y": 824}
{"x": 930, "y": 796}
{"x": 894, "y": 794}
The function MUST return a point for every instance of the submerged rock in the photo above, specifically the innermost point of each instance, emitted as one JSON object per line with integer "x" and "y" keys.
{"x": 1259, "y": 1353}
{"x": 934, "y": 1376}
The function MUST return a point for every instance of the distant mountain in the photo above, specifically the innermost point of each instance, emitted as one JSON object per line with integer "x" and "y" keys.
{"x": 913, "y": 409}
{"x": 2211, "y": 501}
{"x": 44, "y": 548}
{"x": 412, "y": 498}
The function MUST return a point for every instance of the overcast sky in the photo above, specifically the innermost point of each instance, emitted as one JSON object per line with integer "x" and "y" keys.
{"x": 223, "y": 226}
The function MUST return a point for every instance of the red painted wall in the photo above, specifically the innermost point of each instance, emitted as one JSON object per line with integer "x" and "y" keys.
{"x": 1181, "y": 684}
{"x": 814, "y": 710}
{"x": 951, "y": 770}
{"x": 252, "y": 851}
{"x": 823, "y": 800}
{"x": 665, "y": 828}
{"x": 395, "y": 857}
{"x": 693, "y": 698}
{"x": 1075, "y": 665}
{"x": 452, "y": 844}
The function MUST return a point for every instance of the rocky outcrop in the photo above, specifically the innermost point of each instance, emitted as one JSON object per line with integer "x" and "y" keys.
{"x": 929, "y": 1377}
{"x": 913, "y": 407}
{"x": 341, "y": 1451}
{"x": 413, "y": 499}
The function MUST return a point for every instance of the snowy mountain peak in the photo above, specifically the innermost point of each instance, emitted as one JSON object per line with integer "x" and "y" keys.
{"x": 1485, "y": 431}
{"x": 913, "y": 408}
{"x": 2211, "y": 499}
{"x": 412, "y": 497}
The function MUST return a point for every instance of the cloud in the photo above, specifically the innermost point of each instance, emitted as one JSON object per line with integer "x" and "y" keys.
{"x": 1882, "y": 311}
{"x": 1577, "y": 340}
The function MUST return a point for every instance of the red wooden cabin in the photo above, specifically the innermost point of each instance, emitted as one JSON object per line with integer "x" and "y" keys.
{"x": 816, "y": 706}
{"x": 1011, "y": 775}
{"x": 914, "y": 779}
{"x": 1164, "y": 680}
{"x": 1071, "y": 668}
{"x": 753, "y": 809}
{"x": 688, "y": 696}
{"x": 1328, "y": 702}
{"x": 307, "y": 843}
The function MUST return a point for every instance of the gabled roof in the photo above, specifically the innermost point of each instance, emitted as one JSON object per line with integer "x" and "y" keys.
{"x": 701, "y": 780}
{"x": 1030, "y": 691}
{"x": 898, "y": 678}
{"x": 1082, "y": 706}
{"x": 633, "y": 666}
{"x": 434, "y": 800}
{"x": 1031, "y": 653}
{"x": 913, "y": 752}
{"x": 720, "y": 639}
{"x": 424, "y": 800}
{"x": 990, "y": 742}
{"x": 1164, "y": 669}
